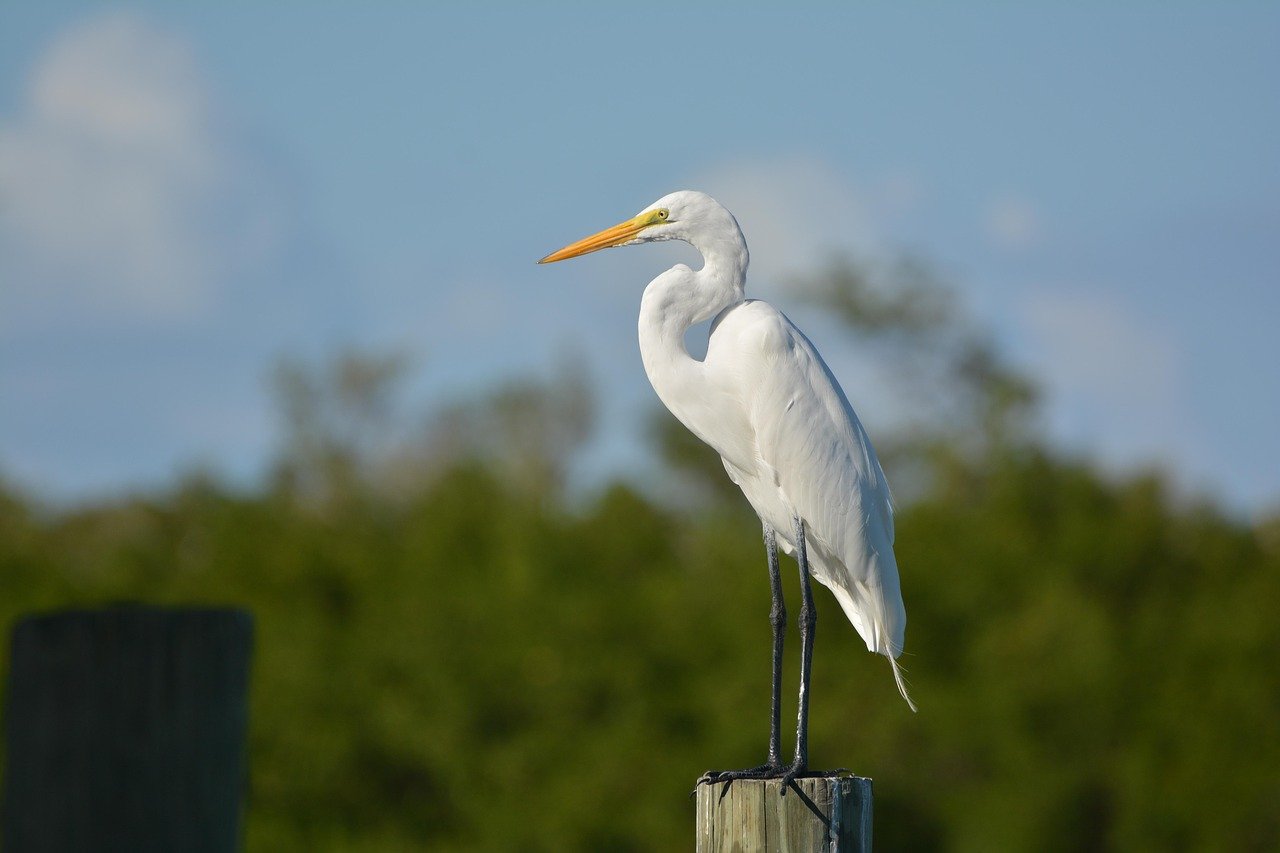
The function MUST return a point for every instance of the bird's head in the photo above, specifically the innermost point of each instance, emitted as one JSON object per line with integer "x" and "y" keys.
{"x": 687, "y": 215}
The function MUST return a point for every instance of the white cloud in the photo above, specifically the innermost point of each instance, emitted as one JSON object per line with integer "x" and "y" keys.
{"x": 1094, "y": 344}
{"x": 1117, "y": 382}
{"x": 795, "y": 213}
{"x": 152, "y": 264}
{"x": 116, "y": 184}
{"x": 899, "y": 194}
{"x": 1012, "y": 222}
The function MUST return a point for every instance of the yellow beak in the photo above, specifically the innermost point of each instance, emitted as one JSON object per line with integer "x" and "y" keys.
{"x": 623, "y": 232}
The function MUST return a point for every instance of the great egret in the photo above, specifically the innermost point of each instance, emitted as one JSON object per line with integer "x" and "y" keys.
{"x": 767, "y": 403}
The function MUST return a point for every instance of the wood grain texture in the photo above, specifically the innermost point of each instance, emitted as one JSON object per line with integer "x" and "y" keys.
{"x": 829, "y": 815}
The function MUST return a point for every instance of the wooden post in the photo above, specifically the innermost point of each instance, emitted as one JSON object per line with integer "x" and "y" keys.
{"x": 829, "y": 815}
{"x": 126, "y": 729}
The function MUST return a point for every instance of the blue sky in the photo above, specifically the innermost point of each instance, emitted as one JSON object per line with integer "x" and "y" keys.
{"x": 189, "y": 191}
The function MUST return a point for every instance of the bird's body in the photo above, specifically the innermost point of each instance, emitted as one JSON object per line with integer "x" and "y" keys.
{"x": 768, "y": 404}
{"x": 808, "y": 457}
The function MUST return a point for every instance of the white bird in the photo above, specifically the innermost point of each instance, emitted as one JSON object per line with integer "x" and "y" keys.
{"x": 767, "y": 403}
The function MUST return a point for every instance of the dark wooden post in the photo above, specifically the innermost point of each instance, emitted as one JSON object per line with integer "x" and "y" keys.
{"x": 125, "y": 730}
{"x": 825, "y": 814}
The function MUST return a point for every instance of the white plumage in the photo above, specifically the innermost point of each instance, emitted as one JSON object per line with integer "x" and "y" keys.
{"x": 767, "y": 403}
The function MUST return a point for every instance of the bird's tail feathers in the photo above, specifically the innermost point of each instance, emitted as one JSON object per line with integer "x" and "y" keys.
{"x": 902, "y": 684}
{"x": 865, "y": 607}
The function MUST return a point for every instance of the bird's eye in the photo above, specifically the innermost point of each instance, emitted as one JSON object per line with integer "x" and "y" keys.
{"x": 663, "y": 214}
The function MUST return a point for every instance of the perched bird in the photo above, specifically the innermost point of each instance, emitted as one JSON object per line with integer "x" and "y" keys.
{"x": 767, "y": 403}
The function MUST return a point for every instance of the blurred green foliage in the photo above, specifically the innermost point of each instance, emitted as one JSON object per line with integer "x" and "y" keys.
{"x": 453, "y": 655}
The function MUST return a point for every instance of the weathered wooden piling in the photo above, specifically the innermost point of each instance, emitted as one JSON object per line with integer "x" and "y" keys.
{"x": 125, "y": 730}
{"x": 832, "y": 814}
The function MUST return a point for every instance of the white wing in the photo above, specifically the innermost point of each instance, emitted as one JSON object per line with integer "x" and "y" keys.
{"x": 813, "y": 460}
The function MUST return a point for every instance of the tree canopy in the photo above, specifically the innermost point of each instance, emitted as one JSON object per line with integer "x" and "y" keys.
{"x": 453, "y": 655}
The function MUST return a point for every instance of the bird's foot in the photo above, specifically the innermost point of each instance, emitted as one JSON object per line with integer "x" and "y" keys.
{"x": 797, "y": 770}
{"x": 787, "y": 773}
{"x": 770, "y": 770}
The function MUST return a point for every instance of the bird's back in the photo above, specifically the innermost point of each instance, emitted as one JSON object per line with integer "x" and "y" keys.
{"x": 810, "y": 457}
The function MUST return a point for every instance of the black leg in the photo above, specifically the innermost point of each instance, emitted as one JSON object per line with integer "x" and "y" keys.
{"x": 808, "y": 624}
{"x": 778, "y": 619}
{"x": 772, "y": 768}
{"x": 799, "y": 768}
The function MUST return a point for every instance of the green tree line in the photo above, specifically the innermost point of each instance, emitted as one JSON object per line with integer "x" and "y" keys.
{"x": 454, "y": 653}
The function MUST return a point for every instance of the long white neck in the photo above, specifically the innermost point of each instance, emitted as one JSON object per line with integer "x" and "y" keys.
{"x": 676, "y": 300}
